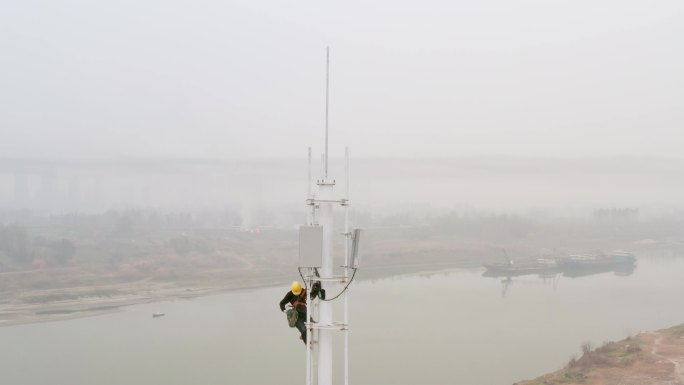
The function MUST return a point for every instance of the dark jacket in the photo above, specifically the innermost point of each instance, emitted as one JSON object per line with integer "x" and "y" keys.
{"x": 300, "y": 299}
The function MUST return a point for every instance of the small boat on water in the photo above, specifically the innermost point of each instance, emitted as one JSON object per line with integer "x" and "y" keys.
{"x": 155, "y": 315}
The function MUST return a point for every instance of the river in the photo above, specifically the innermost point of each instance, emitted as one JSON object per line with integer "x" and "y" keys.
{"x": 449, "y": 327}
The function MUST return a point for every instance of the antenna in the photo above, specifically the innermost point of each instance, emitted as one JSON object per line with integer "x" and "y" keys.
{"x": 327, "y": 103}
{"x": 308, "y": 180}
{"x": 346, "y": 170}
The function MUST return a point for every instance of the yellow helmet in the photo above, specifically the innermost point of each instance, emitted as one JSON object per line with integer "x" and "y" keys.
{"x": 296, "y": 288}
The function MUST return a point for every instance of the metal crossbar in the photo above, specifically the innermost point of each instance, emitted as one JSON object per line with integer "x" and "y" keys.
{"x": 333, "y": 326}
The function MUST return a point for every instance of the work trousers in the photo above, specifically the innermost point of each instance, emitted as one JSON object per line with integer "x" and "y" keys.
{"x": 301, "y": 318}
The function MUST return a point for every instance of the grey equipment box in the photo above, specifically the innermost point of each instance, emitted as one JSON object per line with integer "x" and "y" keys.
{"x": 310, "y": 246}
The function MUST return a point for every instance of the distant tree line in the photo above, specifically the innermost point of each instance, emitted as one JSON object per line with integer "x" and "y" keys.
{"x": 18, "y": 248}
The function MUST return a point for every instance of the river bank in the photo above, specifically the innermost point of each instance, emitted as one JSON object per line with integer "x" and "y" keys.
{"x": 81, "y": 305}
{"x": 653, "y": 357}
{"x": 78, "y": 302}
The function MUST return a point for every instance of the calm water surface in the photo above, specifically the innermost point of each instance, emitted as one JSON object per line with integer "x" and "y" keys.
{"x": 453, "y": 327}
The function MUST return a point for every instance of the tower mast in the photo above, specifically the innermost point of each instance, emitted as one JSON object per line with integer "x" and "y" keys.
{"x": 316, "y": 240}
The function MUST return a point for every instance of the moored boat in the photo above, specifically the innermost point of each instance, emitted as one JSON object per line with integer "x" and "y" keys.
{"x": 574, "y": 265}
{"x": 580, "y": 262}
{"x": 510, "y": 268}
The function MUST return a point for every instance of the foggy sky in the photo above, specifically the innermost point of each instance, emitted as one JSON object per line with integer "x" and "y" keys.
{"x": 231, "y": 79}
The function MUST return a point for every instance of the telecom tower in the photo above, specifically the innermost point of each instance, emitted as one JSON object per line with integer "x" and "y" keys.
{"x": 316, "y": 240}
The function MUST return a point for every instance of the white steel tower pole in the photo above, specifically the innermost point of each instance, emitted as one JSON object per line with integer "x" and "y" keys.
{"x": 309, "y": 336}
{"x": 325, "y": 343}
{"x": 327, "y": 93}
{"x": 326, "y": 189}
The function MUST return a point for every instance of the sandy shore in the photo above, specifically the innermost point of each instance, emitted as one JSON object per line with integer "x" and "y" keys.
{"x": 17, "y": 312}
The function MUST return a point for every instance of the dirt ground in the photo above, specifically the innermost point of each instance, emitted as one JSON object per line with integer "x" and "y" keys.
{"x": 649, "y": 358}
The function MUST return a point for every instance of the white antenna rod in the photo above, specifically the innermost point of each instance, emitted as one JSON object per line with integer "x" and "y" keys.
{"x": 346, "y": 165}
{"x": 327, "y": 89}
{"x": 308, "y": 180}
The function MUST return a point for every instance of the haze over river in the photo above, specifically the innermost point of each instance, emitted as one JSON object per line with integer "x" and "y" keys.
{"x": 450, "y": 327}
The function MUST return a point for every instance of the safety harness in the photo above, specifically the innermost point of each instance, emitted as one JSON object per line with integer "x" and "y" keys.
{"x": 299, "y": 300}
{"x": 293, "y": 314}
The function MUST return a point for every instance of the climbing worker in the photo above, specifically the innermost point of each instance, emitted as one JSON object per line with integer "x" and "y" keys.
{"x": 297, "y": 298}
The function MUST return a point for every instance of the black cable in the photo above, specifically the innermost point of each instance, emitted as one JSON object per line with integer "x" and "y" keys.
{"x": 343, "y": 290}
{"x": 335, "y": 297}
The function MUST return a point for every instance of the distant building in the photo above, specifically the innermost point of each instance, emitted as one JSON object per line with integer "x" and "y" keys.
{"x": 616, "y": 215}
